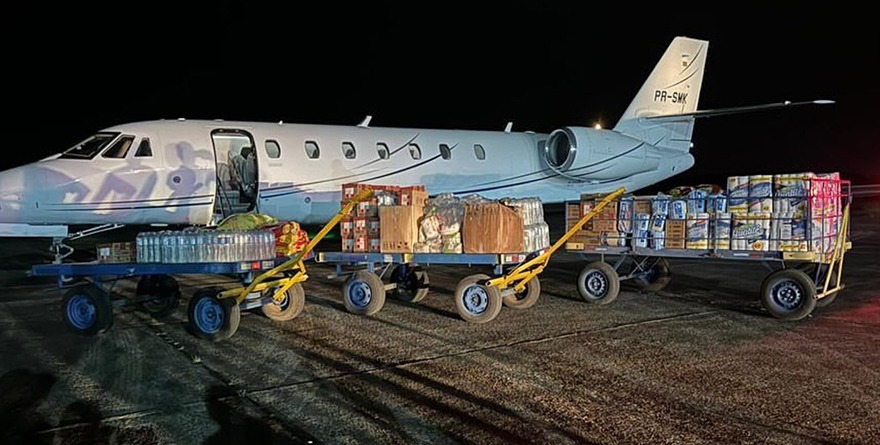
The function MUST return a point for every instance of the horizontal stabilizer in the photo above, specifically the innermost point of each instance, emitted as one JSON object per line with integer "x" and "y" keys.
{"x": 734, "y": 110}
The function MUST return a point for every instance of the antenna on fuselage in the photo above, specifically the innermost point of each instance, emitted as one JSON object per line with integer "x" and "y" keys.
{"x": 366, "y": 122}
{"x": 508, "y": 127}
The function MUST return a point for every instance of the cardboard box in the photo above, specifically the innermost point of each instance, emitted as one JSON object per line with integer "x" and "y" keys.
{"x": 346, "y": 227}
{"x": 676, "y": 233}
{"x": 492, "y": 228}
{"x": 413, "y": 196}
{"x": 117, "y": 252}
{"x": 599, "y": 224}
{"x": 348, "y": 245}
{"x": 364, "y": 243}
{"x": 398, "y": 228}
{"x": 367, "y": 209}
{"x": 642, "y": 205}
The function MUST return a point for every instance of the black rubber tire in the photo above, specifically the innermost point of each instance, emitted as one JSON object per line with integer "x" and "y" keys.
{"x": 290, "y": 308}
{"x": 165, "y": 289}
{"x": 492, "y": 297}
{"x": 413, "y": 287}
{"x": 227, "y": 308}
{"x": 656, "y": 279}
{"x": 526, "y": 298}
{"x": 788, "y": 294}
{"x": 363, "y": 293}
{"x": 598, "y": 283}
{"x": 87, "y": 310}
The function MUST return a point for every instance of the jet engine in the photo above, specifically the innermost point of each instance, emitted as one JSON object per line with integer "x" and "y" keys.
{"x": 588, "y": 154}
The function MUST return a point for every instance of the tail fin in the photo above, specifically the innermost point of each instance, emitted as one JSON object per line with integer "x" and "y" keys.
{"x": 672, "y": 88}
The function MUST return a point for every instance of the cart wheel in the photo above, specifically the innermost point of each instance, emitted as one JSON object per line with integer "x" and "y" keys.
{"x": 656, "y": 278}
{"x": 598, "y": 283}
{"x": 363, "y": 293}
{"x": 291, "y": 306}
{"x": 810, "y": 270}
{"x": 525, "y": 299}
{"x": 165, "y": 290}
{"x": 788, "y": 294}
{"x": 87, "y": 310}
{"x": 212, "y": 318}
{"x": 475, "y": 302}
{"x": 413, "y": 287}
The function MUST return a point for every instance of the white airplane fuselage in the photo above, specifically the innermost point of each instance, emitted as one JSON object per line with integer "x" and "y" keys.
{"x": 178, "y": 183}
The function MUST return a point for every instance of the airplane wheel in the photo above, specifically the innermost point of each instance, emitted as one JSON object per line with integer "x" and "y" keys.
{"x": 598, "y": 283}
{"x": 289, "y": 308}
{"x": 525, "y": 299}
{"x": 477, "y": 303}
{"x": 363, "y": 293}
{"x": 212, "y": 318}
{"x": 412, "y": 283}
{"x": 656, "y": 278}
{"x": 165, "y": 290}
{"x": 788, "y": 294}
{"x": 87, "y": 310}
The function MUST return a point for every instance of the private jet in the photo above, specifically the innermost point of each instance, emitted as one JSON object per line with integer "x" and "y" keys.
{"x": 182, "y": 172}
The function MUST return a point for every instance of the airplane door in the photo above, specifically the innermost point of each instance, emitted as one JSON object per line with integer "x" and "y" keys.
{"x": 237, "y": 172}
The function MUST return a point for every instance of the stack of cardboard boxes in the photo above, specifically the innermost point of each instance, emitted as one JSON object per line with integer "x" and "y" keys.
{"x": 385, "y": 223}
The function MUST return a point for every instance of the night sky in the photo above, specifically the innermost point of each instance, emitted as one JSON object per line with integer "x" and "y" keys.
{"x": 72, "y": 71}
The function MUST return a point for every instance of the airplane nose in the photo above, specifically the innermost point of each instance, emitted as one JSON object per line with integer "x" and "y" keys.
{"x": 15, "y": 185}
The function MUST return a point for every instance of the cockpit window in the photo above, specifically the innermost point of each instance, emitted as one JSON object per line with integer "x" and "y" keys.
{"x": 119, "y": 148}
{"x": 144, "y": 149}
{"x": 88, "y": 148}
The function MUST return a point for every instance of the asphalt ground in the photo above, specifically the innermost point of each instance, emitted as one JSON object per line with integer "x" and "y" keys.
{"x": 699, "y": 362}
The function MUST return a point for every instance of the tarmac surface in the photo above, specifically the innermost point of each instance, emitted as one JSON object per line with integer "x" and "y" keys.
{"x": 699, "y": 362}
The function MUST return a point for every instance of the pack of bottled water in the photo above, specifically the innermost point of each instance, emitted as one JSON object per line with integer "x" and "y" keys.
{"x": 205, "y": 246}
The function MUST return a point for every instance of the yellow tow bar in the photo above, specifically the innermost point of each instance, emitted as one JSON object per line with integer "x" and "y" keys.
{"x": 837, "y": 259}
{"x": 294, "y": 264}
{"x": 522, "y": 274}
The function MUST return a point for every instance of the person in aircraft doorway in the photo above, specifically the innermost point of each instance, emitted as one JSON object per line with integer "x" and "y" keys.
{"x": 244, "y": 170}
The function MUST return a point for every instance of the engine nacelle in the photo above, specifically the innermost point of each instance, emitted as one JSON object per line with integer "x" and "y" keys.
{"x": 587, "y": 154}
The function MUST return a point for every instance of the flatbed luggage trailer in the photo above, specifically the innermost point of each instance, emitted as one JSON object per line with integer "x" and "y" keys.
{"x": 274, "y": 285}
{"x": 478, "y": 297}
{"x": 799, "y": 281}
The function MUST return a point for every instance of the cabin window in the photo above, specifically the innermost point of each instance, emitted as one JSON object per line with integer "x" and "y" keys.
{"x": 144, "y": 149}
{"x": 348, "y": 150}
{"x": 445, "y": 152}
{"x": 273, "y": 150}
{"x": 119, "y": 148}
{"x": 415, "y": 151}
{"x": 88, "y": 148}
{"x": 382, "y": 148}
{"x": 479, "y": 152}
{"x": 312, "y": 150}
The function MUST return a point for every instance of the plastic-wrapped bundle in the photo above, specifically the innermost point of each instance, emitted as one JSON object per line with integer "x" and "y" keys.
{"x": 529, "y": 209}
{"x": 721, "y": 231}
{"x": 536, "y": 237}
{"x": 679, "y": 209}
{"x": 451, "y": 243}
{"x": 442, "y": 217}
{"x": 625, "y": 210}
{"x": 660, "y": 204}
{"x": 738, "y": 194}
{"x": 696, "y": 202}
{"x": 640, "y": 232}
{"x": 658, "y": 239}
{"x": 760, "y": 194}
{"x": 750, "y": 232}
{"x": 698, "y": 231}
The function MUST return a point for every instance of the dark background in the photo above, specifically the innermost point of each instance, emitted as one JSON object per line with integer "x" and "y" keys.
{"x": 73, "y": 70}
